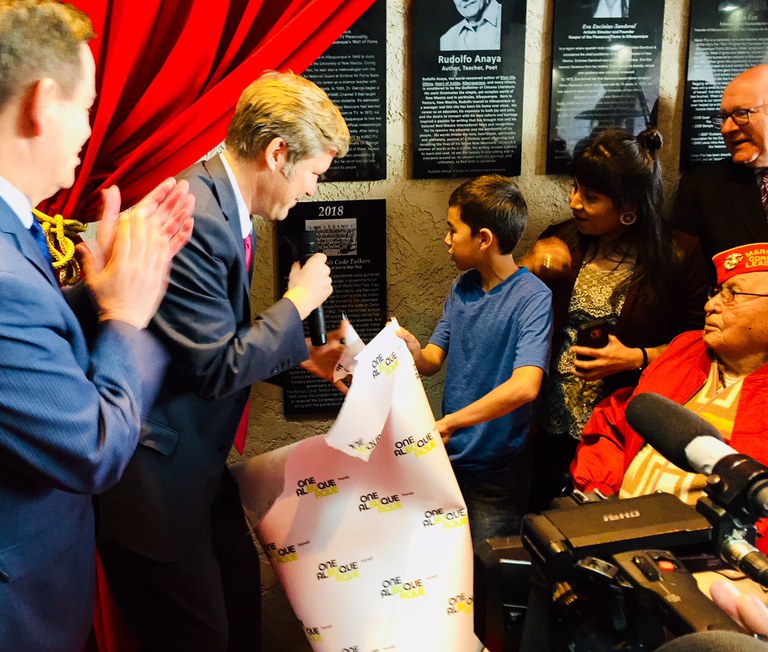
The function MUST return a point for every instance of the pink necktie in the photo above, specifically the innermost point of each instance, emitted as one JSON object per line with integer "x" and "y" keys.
{"x": 248, "y": 251}
{"x": 242, "y": 428}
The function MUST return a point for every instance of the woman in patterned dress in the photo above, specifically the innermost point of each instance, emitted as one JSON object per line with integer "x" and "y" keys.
{"x": 618, "y": 261}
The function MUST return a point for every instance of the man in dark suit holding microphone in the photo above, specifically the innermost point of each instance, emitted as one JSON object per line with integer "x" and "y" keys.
{"x": 175, "y": 543}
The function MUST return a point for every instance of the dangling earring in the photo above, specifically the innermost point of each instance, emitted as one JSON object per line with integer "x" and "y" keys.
{"x": 628, "y": 218}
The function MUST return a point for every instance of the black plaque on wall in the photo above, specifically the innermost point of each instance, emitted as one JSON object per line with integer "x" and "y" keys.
{"x": 353, "y": 236}
{"x": 725, "y": 39}
{"x": 467, "y": 87}
{"x": 605, "y": 72}
{"x": 353, "y": 73}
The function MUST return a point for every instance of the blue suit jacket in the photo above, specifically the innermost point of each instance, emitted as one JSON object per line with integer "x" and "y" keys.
{"x": 69, "y": 422}
{"x": 161, "y": 506}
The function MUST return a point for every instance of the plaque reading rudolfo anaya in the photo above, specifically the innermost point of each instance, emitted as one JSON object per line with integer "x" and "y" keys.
{"x": 725, "y": 39}
{"x": 468, "y": 61}
{"x": 353, "y": 236}
{"x": 605, "y": 72}
{"x": 353, "y": 72}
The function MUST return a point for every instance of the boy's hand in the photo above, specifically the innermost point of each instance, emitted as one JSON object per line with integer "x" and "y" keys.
{"x": 414, "y": 346}
{"x": 428, "y": 360}
{"x": 445, "y": 429}
{"x": 173, "y": 205}
{"x": 127, "y": 268}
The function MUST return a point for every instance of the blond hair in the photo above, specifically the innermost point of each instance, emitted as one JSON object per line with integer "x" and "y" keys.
{"x": 285, "y": 105}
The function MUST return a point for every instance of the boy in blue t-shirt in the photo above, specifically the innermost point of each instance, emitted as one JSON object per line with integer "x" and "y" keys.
{"x": 494, "y": 335}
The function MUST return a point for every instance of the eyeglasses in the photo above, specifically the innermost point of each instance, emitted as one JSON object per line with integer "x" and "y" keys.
{"x": 739, "y": 116}
{"x": 727, "y": 295}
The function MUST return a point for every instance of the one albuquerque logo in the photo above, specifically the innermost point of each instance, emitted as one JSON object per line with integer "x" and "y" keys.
{"x": 322, "y": 489}
{"x": 413, "y": 446}
{"x": 312, "y": 633}
{"x": 284, "y": 555}
{"x": 384, "y": 504}
{"x": 461, "y": 603}
{"x": 394, "y": 586}
{"x": 340, "y": 572}
{"x": 452, "y": 518}
{"x": 361, "y": 446}
{"x": 381, "y": 365}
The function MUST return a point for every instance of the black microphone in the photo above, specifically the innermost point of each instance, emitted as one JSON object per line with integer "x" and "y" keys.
{"x": 685, "y": 439}
{"x": 670, "y": 428}
{"x": 307, "y": 248}
{"x": 736, "y": 482}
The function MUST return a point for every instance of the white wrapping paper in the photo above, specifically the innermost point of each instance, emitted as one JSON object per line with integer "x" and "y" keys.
{"x": 366, "y": 527}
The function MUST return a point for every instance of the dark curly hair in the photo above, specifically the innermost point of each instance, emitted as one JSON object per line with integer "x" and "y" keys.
{"x": 625, "y": 168}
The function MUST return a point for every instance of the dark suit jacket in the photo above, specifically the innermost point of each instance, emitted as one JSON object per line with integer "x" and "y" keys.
{"x": 162, "y": 504}
{"x": 719, "y": 203}
{"x": 69, "y": 422}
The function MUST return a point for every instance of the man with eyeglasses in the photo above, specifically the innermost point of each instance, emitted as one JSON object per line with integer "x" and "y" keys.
{"x": 721, "y": 373}
{"x": 725, "y": 203}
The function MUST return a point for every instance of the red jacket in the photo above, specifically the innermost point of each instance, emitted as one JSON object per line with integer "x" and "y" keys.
{"x": 609, "y": 443}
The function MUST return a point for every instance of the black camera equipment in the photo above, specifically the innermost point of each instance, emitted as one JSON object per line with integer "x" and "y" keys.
{"x": 615, "y": 580}
{"x": 598, "y": 573}
{"x": 501, "y": 589}
{"x": 737, "y": 485}
{"x": 607, "y": 566}
{"x": 602, "y": 571}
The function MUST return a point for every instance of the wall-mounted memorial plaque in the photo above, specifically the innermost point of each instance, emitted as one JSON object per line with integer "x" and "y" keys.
{"x": 353, "y": 71}
{"x": 725, "y": 39}
{"x": 605, "y": 72}
{"x": 468, "y": 61}
{"x": 353, "y": 236}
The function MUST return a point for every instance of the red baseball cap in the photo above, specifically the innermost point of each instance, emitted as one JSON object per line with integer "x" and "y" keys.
{"x": 741, "y": 260}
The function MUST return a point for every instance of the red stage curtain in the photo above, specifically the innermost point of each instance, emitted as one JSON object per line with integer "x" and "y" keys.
{"x": 110, "y": 632}
{"x": 168, "y": 77}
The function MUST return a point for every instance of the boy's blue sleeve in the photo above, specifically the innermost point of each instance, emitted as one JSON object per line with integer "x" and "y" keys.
{"x": 442, "y": 335}
{"x": 534, "y": 339}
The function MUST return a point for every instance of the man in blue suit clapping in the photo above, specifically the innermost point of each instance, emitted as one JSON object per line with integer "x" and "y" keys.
{"x": 70, "y": 406}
